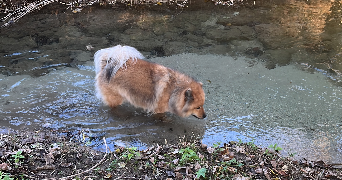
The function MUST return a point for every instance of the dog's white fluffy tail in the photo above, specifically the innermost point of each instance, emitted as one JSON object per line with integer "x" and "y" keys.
{"x": 115, "y": 57}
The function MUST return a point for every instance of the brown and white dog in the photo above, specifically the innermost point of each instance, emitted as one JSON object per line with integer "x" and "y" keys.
{"x": 122, "y": 76}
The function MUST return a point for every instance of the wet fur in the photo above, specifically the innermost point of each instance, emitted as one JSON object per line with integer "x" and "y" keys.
{"x": 122, "y": 76}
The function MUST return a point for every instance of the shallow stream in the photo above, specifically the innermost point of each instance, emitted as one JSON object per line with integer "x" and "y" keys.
{"x": 271, "y": 73}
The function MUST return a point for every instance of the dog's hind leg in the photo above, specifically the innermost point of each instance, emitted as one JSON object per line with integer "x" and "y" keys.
{"x": 112, "y": 99}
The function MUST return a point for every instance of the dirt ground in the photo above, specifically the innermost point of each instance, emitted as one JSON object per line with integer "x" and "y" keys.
{"x": 48, "y": 154}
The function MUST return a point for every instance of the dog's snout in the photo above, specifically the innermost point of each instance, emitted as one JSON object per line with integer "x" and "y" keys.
{"x": 200, "y": 117}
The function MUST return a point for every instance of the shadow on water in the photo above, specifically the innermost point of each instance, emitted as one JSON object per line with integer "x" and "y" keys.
{"x": 271, "y": 72}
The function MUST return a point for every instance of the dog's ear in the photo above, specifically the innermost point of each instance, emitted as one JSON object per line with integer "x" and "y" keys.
{"x": 201, "y": 84}
{"x": 188, "y": 95}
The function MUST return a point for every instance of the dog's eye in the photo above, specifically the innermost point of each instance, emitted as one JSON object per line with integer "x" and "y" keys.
{"x": 199, "y": 107}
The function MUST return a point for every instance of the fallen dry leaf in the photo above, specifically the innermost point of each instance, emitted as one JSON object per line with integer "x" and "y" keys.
{"x": 214, "y": 168}
{"x": 188, "y": 170}
{"x": 210, "y": 150}
{"x": 66, "y": 164}
{"x": 201, "y": 156}
{"x": 152, "y": 160}
{"x": 225, "y": 152}
{"x": 179, "y": 168}
{"x": 162, "y": 164}
{"x": 240, "y": 149}
{"x": 283, "y": 173}
{"x": 258, "y": 170}
{"x": 161, "y": 157}
{"x": 226, "y": 158}
{"x": 231, "y": 155}
{"x": 170, "y": 174}
{"x": 49, "y": 158}
{"x": 179, "y": 175}
{"x": 197, "y": 166}
{"x": 122, "y": 165}
{"x": 46, "y": 167}
{"x": 4, "y": 167}
{"x": 231, "y": 169}
{"x": 176, "y": 151}
{"x": 266, "y": 173}
{"x": 157, "y": 150}
{"x": 285, "y": 168}
{"x": 239, "y": 177}
{"x": 175, "y": 161}
{"x": 204, "y": 146}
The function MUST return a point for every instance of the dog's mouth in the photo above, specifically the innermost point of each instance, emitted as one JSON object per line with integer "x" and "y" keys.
{"x": 198, "y": 117}
{"x": 195, "y": 116}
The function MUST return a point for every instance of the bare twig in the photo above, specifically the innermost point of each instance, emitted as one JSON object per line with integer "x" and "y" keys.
{"x": 102, "y": 160}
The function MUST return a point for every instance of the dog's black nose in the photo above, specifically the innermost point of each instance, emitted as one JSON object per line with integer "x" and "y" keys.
{"x": 204, "y": 115}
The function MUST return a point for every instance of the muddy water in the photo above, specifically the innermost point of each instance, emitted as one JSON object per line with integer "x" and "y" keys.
{"x": 271, "y": 73}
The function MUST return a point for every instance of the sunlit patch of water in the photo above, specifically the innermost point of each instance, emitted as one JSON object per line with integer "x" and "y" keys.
{"x": 22, "y": 53}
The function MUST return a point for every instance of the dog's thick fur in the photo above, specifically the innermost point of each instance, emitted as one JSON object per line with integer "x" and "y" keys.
{"x": 122, "y": 76}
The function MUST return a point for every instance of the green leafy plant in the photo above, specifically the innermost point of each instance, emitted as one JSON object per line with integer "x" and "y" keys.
{"x": 201, "y": 173}
{"x": 188, "y": 155}
{"x": 292, "y": 154}
{"x": 240, "y": 142}
{"x": 5, "y": 176}
{"x": 147, "y": 164}
{"x": 252, "y": 145}
{"x": 217, "y": 148}
{"x": 268, "y": 153}
{"x": 113, "y": 165}
{"x": 216, "y": 145}
{"x": 97, "y": 170}
{"x": 227, "y": 169}
{"x": 130, "y": 153}
{"x": 275, "y": 147}
{"x": 17, "y": 157}
{"x": 232, "y": 162}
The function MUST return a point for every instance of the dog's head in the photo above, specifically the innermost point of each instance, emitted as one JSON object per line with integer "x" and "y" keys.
{"x": 194, "y": 98}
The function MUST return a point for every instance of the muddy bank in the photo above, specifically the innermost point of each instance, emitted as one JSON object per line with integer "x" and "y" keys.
{"x": 275, "y": 32}
{"x": 49, "y": 154}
